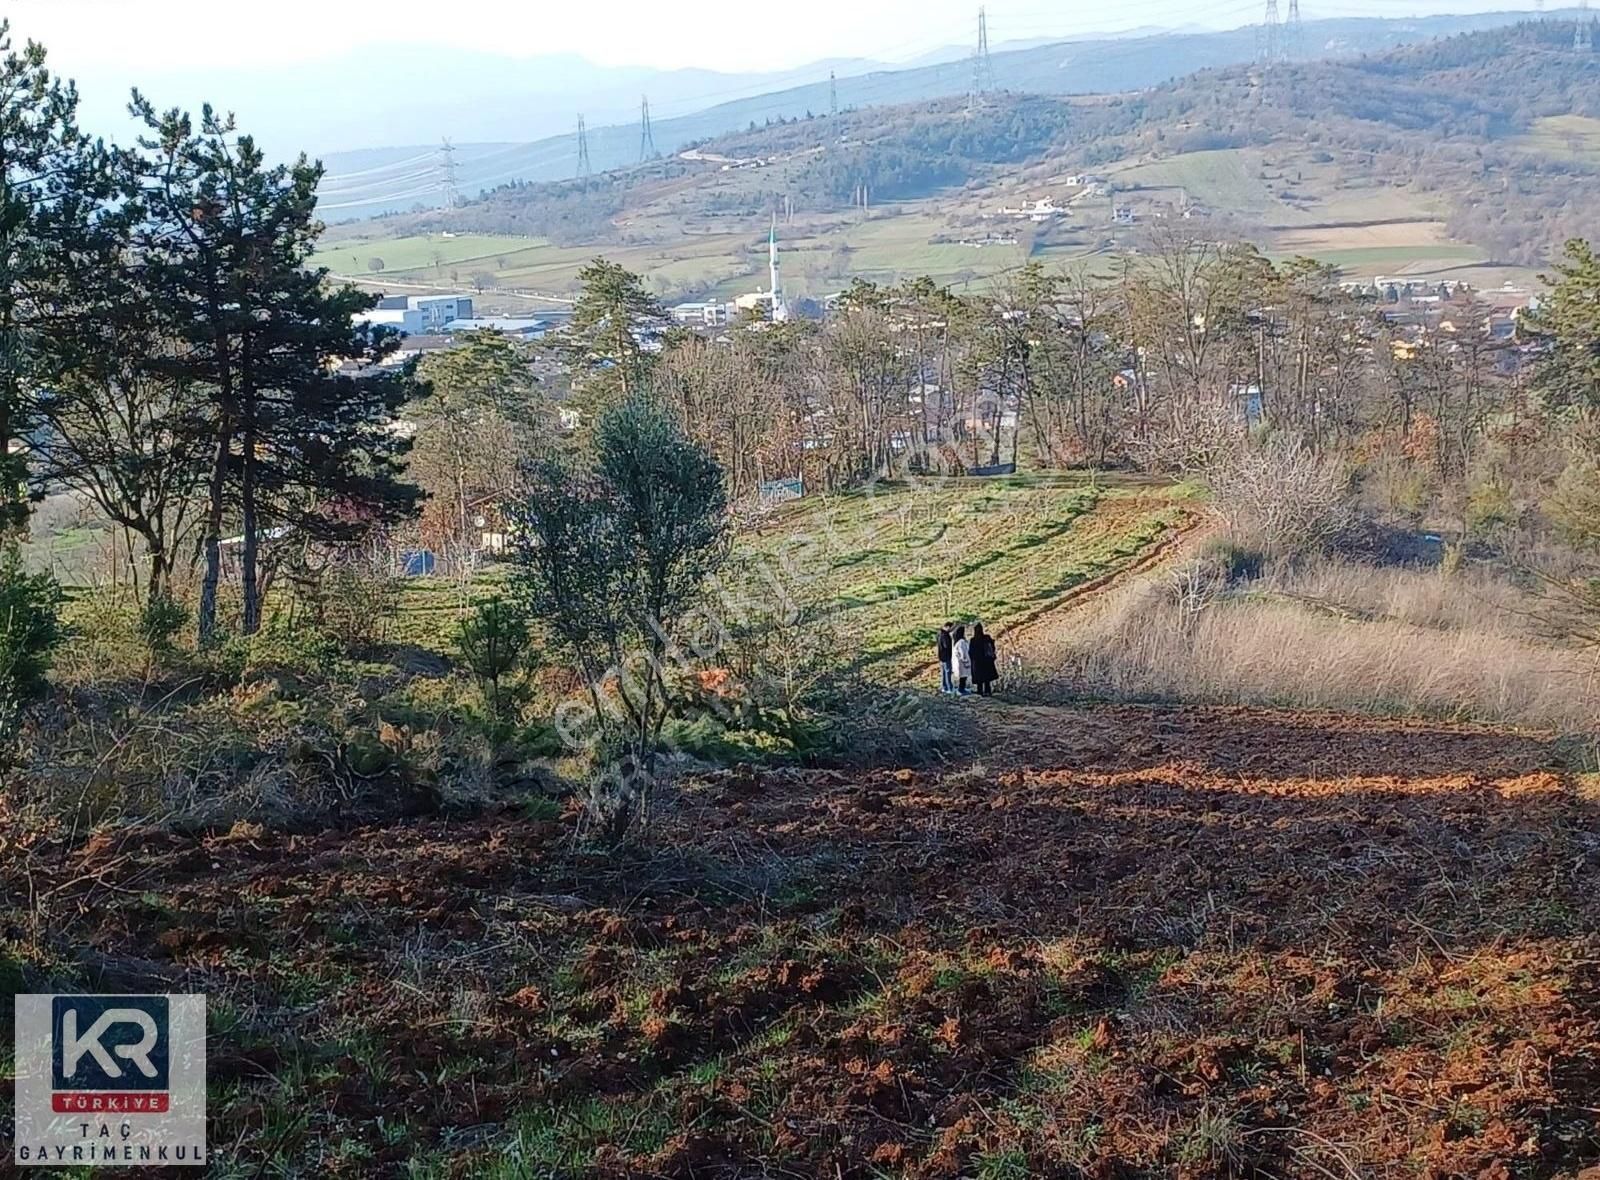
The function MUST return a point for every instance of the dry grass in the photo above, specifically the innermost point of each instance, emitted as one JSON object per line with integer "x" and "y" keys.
{"x": 1337, "y": 636}
{"x": 1472, "y": 600}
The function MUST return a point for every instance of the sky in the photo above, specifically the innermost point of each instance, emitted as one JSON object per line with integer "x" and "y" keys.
{"x": 90, "y": 38}
{"x": 332, "y": 75}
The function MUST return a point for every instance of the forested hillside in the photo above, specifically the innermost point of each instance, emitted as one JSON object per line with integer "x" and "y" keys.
{"x": 357, "y": 186}
{"x": 1490, "y": 127}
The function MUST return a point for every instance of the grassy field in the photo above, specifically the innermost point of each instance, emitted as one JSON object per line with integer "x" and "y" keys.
{"x": 426, "y": 254}
{"x": 901, "y": 560}
{"x": 1227, "y": 179}
{"x": 1399, "y": 259}
{"x": 883, "y": 248}
{"x": 1566, "y": 137}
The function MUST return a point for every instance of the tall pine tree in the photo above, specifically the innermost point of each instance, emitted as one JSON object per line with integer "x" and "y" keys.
{"x": 51, "y": 180}
{"x": 301, "y": 409}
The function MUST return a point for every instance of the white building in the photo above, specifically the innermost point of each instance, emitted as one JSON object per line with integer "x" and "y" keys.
{"x": 1041, "y": 210}
{"x": 402, "y": 319}
{"x": 703, "y": 315}
{"x": 433, "y": 311}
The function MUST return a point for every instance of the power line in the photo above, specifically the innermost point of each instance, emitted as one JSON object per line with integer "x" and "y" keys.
{"x": 584, "y": 168}
{"x": 647, "y": 138}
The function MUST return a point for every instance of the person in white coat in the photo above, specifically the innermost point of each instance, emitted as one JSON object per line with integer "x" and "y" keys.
{"x": 961, "y": 661}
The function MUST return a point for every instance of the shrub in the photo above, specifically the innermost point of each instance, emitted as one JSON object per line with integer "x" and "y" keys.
{"x": 494, "y": 644}
{"x": 1282, "y": 497}
{"x": 281, "y": 645}
{"x": 354, "y": 604}
{"x": 30, "y": 630}
{"x": 615, "y": 557}
{"x": 160, "y": 621}
{"x": 1237, "y": 562}
{"x": 1490, "y": 508}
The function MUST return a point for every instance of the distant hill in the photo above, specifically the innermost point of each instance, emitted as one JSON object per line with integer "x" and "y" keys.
{"x": 373, "y": 182}
{"x": 342, "y": 106}
{"x": 1470, "y": 158}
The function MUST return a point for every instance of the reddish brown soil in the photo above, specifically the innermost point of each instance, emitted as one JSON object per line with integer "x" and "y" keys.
{"x": 1135, "y": 942}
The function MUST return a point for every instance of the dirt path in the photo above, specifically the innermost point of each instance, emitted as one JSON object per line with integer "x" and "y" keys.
{"x": 1020, "y": 634}
{"x": 1172, "y": 547}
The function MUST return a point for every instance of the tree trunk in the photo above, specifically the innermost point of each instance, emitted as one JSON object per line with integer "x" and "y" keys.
{"x": 248, "y": 554}
{"x": 206, "y": 616}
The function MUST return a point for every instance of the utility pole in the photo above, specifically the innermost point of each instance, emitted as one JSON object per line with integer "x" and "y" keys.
{"x": 647, "y": 139}
{"x": 1268, "y": 48}
{"x": 449, "y": 193}
{"x": 1293, "y": 48}
{"x": 833, "y": 96}
{"x": 584, "y": 168}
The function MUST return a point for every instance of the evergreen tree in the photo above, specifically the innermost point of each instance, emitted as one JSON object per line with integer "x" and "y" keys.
{"x": 1567, "y": 321}
{"x": 49, "y": 180}
{"x": 613, "y": 317}
{"x": 300, "y": 415}
{"x": 479, "y": 419}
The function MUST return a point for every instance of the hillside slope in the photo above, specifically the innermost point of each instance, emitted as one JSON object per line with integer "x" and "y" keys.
{"x": 363, "y": 184}
{"x": 1470, "y": 156}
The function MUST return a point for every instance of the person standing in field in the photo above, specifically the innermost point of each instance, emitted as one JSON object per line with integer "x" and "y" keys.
{"x": 960, "y": 660}
{"x": 946, "y": 683}
{"x": 985, "y": 670}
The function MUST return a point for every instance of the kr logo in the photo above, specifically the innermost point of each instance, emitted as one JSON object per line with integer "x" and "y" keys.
{"x": 109, "y": 1044}
{"x": 74, "y": 1046}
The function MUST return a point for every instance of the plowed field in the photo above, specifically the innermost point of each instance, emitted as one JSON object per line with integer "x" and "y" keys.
{"x": 1126, "y": 942}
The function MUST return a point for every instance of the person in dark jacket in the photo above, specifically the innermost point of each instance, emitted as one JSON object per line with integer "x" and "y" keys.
{"x": 946, "y": 684}
{"x": 985, "y": 670}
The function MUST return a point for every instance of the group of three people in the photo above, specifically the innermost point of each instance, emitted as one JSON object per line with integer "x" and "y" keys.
{"x": 965, "y": 662}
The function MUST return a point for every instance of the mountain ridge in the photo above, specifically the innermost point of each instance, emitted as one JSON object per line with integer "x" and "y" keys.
{"x": 1059, "y": 67}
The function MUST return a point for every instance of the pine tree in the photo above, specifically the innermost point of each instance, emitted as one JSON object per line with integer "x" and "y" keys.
{"x": 48, "y": 182}
{"x": 300, "y": 407}
{"x": 613, "y": 317}
{"x": 1567, "y": 322}
{"x": 480, "y": 418}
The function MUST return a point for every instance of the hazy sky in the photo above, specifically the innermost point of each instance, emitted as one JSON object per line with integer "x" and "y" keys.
{"x": 93, "y": 38}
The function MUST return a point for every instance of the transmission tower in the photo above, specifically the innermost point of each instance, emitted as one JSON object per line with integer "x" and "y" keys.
{"x": 1583, "y": 35}
{"x": 1270, "y": 46}
{"x": 647, "y": 139}
{"x": 583, "y": 149}
{"x": 833, "y": 96}
{"x": 448, "y": 192}
{"x": 982, "y": 67}
{"x": 1293, "y": 46}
